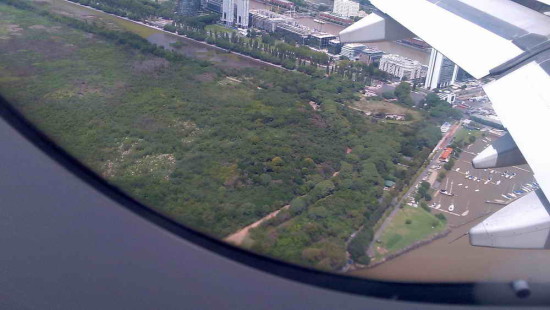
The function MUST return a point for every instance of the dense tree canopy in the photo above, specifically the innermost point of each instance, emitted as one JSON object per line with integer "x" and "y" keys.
{"x": 216, "y": 149}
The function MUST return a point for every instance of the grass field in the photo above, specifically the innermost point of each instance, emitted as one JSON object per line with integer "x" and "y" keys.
{"x": 463, "y": 135}
{"x": 375, "y": 106}
{"x": 219, "y": 28}
{"x": 401, "y": 233}
{"x": 76, "y": 11}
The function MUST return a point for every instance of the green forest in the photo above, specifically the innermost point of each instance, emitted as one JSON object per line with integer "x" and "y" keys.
{"x": 213, "y": 148}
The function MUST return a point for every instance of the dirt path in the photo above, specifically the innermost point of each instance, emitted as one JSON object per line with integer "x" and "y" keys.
{"x": 238, "y": 237}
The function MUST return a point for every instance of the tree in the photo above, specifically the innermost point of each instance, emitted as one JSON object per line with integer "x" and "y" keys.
{"x": 322, "y": 189}
{"x": 424, "y": 206}
{"x": 298, "y": 205}
{"x": 403, "y": 93}
{"x": 265, "y": 179}
{"x": 357, "y": 247}
{"x": 441, "y": 176}
{"x": 449, "y": 165}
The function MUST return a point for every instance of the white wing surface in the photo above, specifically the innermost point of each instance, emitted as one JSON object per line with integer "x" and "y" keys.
{"x": 510, "y": 44}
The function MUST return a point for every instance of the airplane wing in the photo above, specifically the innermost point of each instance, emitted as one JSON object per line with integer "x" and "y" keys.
{"x": 509, "y": 44}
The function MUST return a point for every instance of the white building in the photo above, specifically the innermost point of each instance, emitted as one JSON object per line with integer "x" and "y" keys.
{"x": 402, "y": 67}
{"x": 267, "y": 20}
{"x": 352, "y": 50}
{"x": 441, "y": 71}
{"x": 447, "y": 96}
{"x": 445, "y": 127}
{"x": 346, "y": 8}
{"x": 235, "y": 13}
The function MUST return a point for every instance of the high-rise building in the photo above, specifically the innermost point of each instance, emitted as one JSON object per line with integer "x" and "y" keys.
{"x": 213, "y": 5}
{"x": 235, "y": 13}
{"x": 346, "y": 8}
{"x": 188, "y": 7}
{"x": 441, "y": 71}
{"x": 462, "y": 75}
{"x": 319, "y": 40}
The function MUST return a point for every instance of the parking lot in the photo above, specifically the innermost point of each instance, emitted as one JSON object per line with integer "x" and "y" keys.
{"x": 470, "y": 193}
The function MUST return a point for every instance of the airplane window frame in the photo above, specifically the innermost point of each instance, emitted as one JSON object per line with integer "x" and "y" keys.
{"x": 433, "y": 293}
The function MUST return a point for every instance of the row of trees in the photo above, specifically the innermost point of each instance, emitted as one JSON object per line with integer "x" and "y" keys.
{"x": 286, "y": 55}
{"x": 133, "y": 9}
{"x": 439, "y": 109}
{"x": 289, "y": 56}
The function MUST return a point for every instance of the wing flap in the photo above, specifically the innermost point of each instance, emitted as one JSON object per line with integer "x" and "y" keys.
{"x": 522, "y": 101}
{"x": 529, "y": 229}
{"x": 474, "y": 48}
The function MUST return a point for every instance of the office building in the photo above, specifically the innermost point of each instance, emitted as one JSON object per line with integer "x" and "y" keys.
{"x": 442, "y": 71}
{"x": 402, "y": 67}
{"x": 213, "y": 5}
{"x": 267, "y": 20}
{"x": 235, "y": 13}
{"x": 352, "y": 50}
{"x": 370, "y": 55}
{"x": 334, "y": 47}
{"x": 188, "y": 7}
{"x": 346, "y": 8}
{"x": 294, "y": 32}
{"x": 462, "y": 75}
{"x": 320, "y": 40}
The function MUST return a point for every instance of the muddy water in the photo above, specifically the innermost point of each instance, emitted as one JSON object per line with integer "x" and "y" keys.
{"x": 448, "y": 260}
{"x": 189, "y": 48}
{"x": 458, "y": 261}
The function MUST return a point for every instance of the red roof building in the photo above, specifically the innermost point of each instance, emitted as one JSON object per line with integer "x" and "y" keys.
{"x": 446, "y": 155}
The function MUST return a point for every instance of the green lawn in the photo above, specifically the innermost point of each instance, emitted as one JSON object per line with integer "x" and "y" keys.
{"x": 100, "y": 18}
{"x": 463, "y": 134}
{"x": 398, "y": 234}
{"x": 219, "y": 28}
